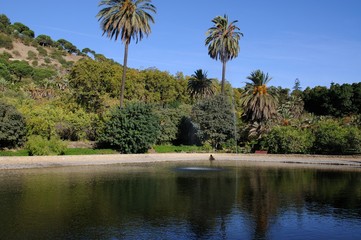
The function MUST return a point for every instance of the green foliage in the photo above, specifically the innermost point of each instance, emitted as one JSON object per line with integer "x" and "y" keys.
{"x": 91, "y": 81}
{"x": 199, "y": 85}
{"x": 132, "y": 129}
{"x": 170, "y": 121}
{"x": 32, "y": 55}
{"x": 173, "y": 149}
{"x": 4, "y": 72}
{"x": 87, "y": 151}
{"x": 12, "y": 127}
{"x": 215, "y": 120}
{"x": 44, "y": 40}
{"x": 21, "y": 69}
{"x": 12, "y": 153}
{"x": 67, "y": 46}
{"x": 40, "y": 74}
{"x": 338, "y": 100}
{"x": 258, "y": 103}
{"x": 4, "y": 23}
{"x": 6, "y": 42}
{"x": 49, "y": 120}
{"x": 287, "y": 139}
{"x": 23, "y": 30}
{"x": 223, "y": 42}
{"x": 39, "y": 146}
{"x": 333, "y": 138}
{"x": 42, "y": 51}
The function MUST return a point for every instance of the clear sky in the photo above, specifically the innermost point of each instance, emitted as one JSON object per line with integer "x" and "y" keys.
{"x": 316, "y": 41}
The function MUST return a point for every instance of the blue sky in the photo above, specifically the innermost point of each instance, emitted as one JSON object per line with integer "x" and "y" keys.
{"x": 316, "y": 41}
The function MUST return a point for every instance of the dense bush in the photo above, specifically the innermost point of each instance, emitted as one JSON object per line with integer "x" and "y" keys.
{"x": 333, "y": 138}
{"x": 4, "y": 72}
{"x": 40, "y": 74}
{"x": 39, "y": 146}
{"x": 132, "y": 129}
{"x": 12, "y": 127}
{"x": 54, "y": 121}
{"x": 287, "y": 139}
{"x": 215, "y": 119}
{"x": 170, "y": 122}
{"x": 6, "y": 42}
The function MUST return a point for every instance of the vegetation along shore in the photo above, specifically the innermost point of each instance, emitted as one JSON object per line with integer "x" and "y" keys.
{"x": 53, "y": 93}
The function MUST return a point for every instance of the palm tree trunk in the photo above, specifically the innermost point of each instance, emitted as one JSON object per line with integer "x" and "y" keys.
{"x": 223, "y": 76}
{"x": 124, "y": 74}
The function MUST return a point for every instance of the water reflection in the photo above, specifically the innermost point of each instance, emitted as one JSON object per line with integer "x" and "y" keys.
{"x": 155, "y": 202}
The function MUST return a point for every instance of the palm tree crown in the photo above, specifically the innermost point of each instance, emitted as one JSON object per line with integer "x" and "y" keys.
{"x": 259, "y": 104}
{"x": 223, "y": 41}
{"x": 199, "y": 85}
{"x": 127, "y": 19}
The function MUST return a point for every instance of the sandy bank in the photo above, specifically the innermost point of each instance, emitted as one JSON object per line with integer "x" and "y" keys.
{"x": 88, "y": 160}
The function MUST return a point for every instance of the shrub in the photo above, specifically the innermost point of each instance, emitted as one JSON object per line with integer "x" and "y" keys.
{"x": 39, "y": 146}
{"x": 170, "y": 121}
{"x": 42, "y": 51}
{"x": 40, "y": 74}
{"x": 215, "y": 119}
{"x": 132, "y": 129}
{"x": 287, "y": 139}
{"x": 32, "y": 55}
{"x": 333, "y": 138}
{"x": 16, "y": 53}
{"x": 35, "y": 63}
{"x": 4, "y": 72}
{"x": 6, "y": 42}
{"x": 12, "y": 127}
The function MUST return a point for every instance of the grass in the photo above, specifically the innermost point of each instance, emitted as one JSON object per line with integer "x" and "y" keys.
{"x": 16, "y": 153}
{"x": 68, "y": 151}
{"x": 88, "y": 151}
{"x": 172, "y": 149}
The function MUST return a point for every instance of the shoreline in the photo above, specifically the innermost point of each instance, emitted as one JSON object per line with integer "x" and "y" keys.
{"x": 33, "y": 162}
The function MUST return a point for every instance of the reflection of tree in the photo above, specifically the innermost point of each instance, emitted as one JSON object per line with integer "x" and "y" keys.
{"x": 204, "y": 207}
{"x": 60, "y": 205}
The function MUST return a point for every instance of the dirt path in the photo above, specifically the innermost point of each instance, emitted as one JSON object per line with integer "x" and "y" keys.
{"x": 261, "y": 159}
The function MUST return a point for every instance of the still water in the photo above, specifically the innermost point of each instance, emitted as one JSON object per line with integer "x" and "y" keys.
{"x": 168, "y": 201}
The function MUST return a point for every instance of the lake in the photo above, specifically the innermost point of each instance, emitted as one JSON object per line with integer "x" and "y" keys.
{"x": 196, "y": 200}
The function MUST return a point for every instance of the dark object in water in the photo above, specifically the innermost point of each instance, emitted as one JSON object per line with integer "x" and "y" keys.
{"x": 211, "y": 158}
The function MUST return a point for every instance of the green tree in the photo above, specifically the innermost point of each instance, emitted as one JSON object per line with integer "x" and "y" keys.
{"x": 199, "y": 85}
{"x": 44, "y": 40}
{"x": 21, "y": 69}
{"x": 92, "y": 81}
{"x": 67, "y": 46}
{"x": 223, "y": 42}
{"x": 12, "y": 127}
{"x": 258, "y": 103}
{"x": 132, "y": 129}
{"x": 4, "y": 23}
{"x": 128, "y": 18}
{"x": 214, "y": 117}
{"x": 23, "y": 29}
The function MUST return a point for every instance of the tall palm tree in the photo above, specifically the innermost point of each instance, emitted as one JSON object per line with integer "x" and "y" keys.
{"x": 223, "y": 42}
{"x": 199, "y": 85}
{"x": 259, "y": 104}
{"x": 127, "y": 19}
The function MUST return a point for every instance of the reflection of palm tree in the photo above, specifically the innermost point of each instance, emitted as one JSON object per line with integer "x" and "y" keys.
{"x": 199, "y": 86}
{"x": 258, "y": 103}
{"x": 127, "y": 19}
{"x": 222, "y": 40}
